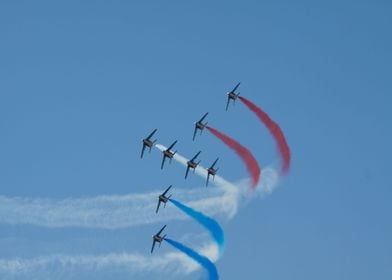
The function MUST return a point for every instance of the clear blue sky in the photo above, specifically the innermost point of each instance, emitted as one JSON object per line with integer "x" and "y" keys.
{"x": 81, "y": 82}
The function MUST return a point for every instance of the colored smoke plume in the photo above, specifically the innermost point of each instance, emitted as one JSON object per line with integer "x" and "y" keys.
{"x": 276, "y": 132}
{"x": 210, "y": 224}
{"x": 244, "y": 153}
{"x": 202, "y": 260}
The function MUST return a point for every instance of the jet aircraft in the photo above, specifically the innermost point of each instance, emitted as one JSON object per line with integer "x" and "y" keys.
{"x": 168, "y": 153}
{"x": 163, "y": 199}
{"x": 212, "y": 171}
{"x": 157, "y": 238}
{"x": 232, "y": 96}
{"x": 192, "y": 164}
{"x": 199, "y": 125}
{"x": 147, "y": 142}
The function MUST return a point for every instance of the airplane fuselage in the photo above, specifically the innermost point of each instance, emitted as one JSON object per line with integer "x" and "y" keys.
{"x": 192, "y": 164}
{"x": 148, "y": 143}
{"x": 200, "y": 125}
{"x": 163, "y": 198}
{"x": 211, "y": 171}
{"x": 168, "y": 153}
{"x": 158, "y": 238}
{"x": 232, "y": 95}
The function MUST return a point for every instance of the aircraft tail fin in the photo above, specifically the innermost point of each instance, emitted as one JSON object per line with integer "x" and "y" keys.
{"x": 168, "y": 199}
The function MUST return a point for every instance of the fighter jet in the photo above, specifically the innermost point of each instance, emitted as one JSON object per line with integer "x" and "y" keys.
{"x": 200, "y": 125}
{"x": 148, "y": 143}
{"x": 212, "y": 171}
{"x": 157, "y": 238}
{"x": 163, "y": 198}
{"x": 232, "y": 96}
{"x": 192, "y": 164}
{"x": 168, "y": 154}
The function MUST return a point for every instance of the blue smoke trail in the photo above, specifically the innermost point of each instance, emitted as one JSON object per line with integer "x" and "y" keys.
{"x": 203, "y": 261}
{"x": 210, "y": 224}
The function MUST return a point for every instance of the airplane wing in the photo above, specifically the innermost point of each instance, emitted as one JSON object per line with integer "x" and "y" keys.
{"x": 165, "y": 192}
{"x": 203, "y": 117}
{"x": 144, "y": 147}
{"x": 163, "y": 161}
{"x": 195, "y": 156}
{"x": 187, "y": 171}
{"x": 194, "y": 133}
{"x": 228, "y": 101}
{"x": 172, "y": 145}
{"x": 212, "y": 166}
{"x": 153, "y": 245}
{"x": 161, "y": 230}
{"x": 159, "y": 204}
{"x": 235, "y": 88}
{"x": 151, "y": 134}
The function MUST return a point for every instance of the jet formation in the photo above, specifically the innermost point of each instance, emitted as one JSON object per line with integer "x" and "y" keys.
{"x": 191, "y": 164}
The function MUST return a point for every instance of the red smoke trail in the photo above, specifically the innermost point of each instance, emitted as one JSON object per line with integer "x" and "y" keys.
{"x": 276, "y": 132}
{"x": 244, "y": 153}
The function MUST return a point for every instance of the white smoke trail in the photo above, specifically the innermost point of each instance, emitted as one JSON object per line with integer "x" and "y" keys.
{"x": 108, "y": 212}
{"x": 70, "y": 266}
{"x": 234, "y": 193}
{"x": 115, "y": 211}
{"x": 121, "y": 211}
{"x": 230, "y": 196}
